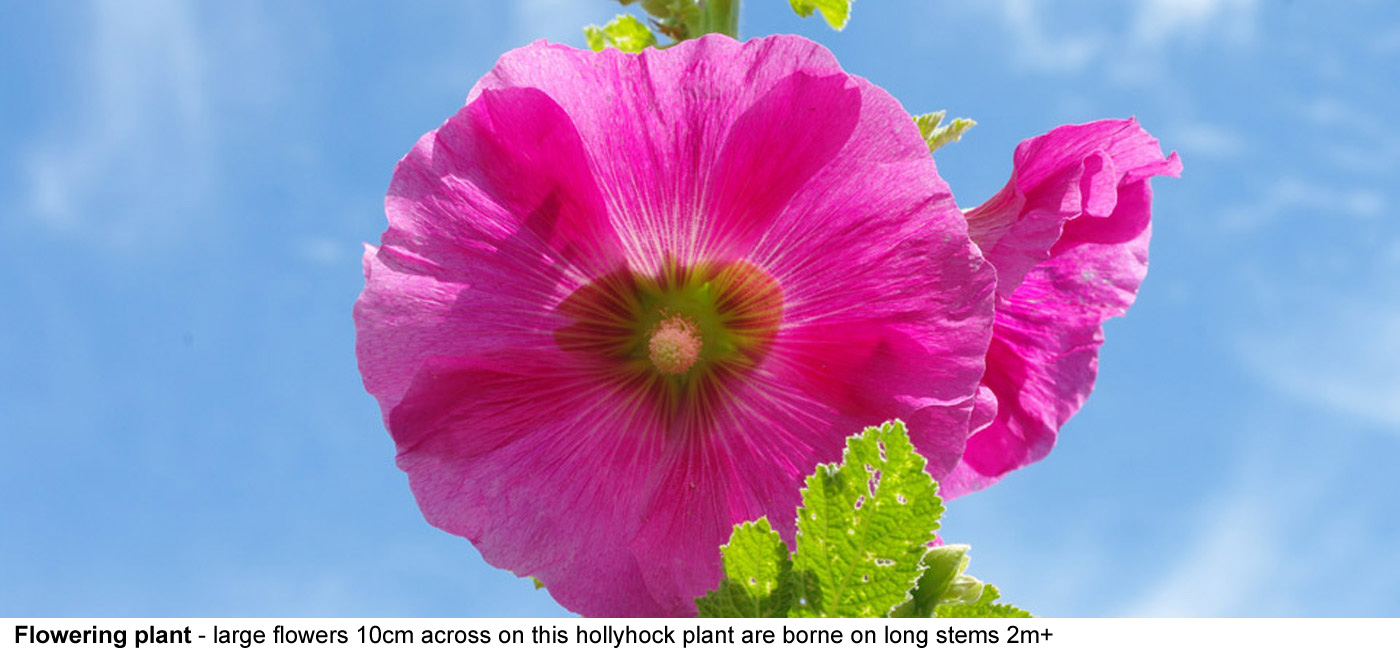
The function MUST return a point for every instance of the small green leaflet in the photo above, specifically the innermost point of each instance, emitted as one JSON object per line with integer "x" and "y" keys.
{"x": 863, "y": 534}
{"x": 836, "y": 12}
{"x": 935, "y": 135}
{"x": 625, "y": 33}
{"x": 758, "y": 571}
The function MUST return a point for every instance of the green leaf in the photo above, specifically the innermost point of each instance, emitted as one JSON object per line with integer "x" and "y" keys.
{"x": 929, "y": 121}
{"x": 864, "y": 526}
{"x": 935, "y": 135}
{"x": 985, "y": 607}
{"x": 624, "y": 32}
{"x": 942, "y": 564}
{"x": 538, "y": 585}
{"x": 593, "y": 34}
{"x": 836, "y": 12}
{"x": 757, "y": 576}
{"x": 863, "y": 531}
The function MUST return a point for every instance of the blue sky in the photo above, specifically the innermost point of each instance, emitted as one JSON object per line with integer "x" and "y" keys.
{"x": 184, "y": 188}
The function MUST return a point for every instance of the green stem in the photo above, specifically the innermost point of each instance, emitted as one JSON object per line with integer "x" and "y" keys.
{"x": 721, "y": 17}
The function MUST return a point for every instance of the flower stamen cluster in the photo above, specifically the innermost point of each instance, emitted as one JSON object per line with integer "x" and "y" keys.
{"x": 674, "y": 346}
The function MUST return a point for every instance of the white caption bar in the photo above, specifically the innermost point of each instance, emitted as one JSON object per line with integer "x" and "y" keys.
{"x": 716, "y": 634}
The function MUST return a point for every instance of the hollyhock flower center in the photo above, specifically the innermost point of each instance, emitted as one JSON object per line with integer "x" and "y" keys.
{"x": 678, "y": 332}
{"x": 675, "y": 345}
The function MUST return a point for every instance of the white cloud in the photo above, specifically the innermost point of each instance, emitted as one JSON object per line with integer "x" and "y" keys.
{"x": 1159, "y": 22}
{"x": 1241, "y": 554}
{"x": 1267, "y": 540}
{"x": 1137, "y": 51}
{"x": 1226, "y": 570}
{"x": 1037, "y": 48}
{"x": 1329, "y": 112}
{"x": 1207, "y": 140}
{"x": 1343, "y": 356}
{"x": 1352, "y": 138}
{"x": 1162, "y": 26}
{"x": 1376, "y": 157}
{"x": 1294, "y": 195}
{"x": 133, "y": 153}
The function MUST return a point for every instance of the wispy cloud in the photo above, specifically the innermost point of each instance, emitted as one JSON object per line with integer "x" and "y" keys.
{"x": 1207, "y": 140}
{"x": 1159, "y": 22}
{"x": 132, "y": 156}
{"x": 1225, "y": 569}
{"x": 1138, "y": 49}
{"x": 1041, "y": 49}
{"x": 1352, "y": 138}
{"x": 1344, "y": 357}
{"x": 1161, "y": 27}
{"x": 1332, "y": 113}
{"x": 1301, "y": 196}
{"x": 1255, "y": 543}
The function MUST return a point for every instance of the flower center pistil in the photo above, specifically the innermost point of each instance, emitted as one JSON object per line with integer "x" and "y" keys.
{"x": 674, "y": 346}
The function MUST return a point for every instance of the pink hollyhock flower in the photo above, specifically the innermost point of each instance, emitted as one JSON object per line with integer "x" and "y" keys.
{"x": 1068, "y": 237}
{"x": 626, "y": 301}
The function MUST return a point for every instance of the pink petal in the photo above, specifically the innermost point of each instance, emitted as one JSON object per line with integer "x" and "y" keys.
{"x": 1088, "y": 185}
{"x": 762, "y": 166}
{"x": 674, "y": 132}
{"x": 488, "y": 216}
{"x": 541, "y": 467}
